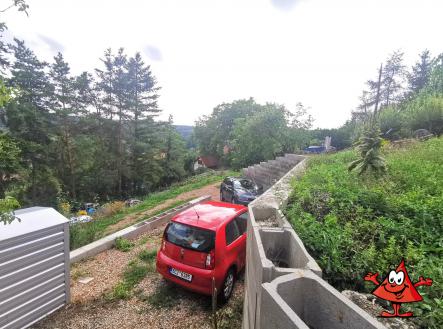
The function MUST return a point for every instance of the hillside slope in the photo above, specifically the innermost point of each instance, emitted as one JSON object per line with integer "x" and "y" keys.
{"x": 354, "y": 225}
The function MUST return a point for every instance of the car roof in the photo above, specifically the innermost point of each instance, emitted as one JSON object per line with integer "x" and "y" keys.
{"x": 209, "y": 215}
{"x": 238, "y": 178}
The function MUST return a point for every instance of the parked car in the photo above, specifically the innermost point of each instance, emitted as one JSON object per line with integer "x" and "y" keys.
{"x": 204, "y": 242}
{"x": 239, "y": 190}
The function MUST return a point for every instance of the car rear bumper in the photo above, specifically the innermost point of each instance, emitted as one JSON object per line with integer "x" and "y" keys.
{"x": 244, "y": 202}
{"x": 201, "y": 278}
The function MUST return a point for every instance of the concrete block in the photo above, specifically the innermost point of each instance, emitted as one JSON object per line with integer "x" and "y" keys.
{"x": 304, "y": 296}
{"x": 286, "y": 251}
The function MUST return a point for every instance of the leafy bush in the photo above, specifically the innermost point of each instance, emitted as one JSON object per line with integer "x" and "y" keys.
{"x": 354, "y": 224}
{"x": 82, "y": 233}
{"x": 7, "y": 206}
{"x": 110, "y": 209}
{"x": 123, "y": 244}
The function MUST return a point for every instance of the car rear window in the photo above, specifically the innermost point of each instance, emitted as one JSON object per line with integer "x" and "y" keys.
{"x": 190, "y": 237}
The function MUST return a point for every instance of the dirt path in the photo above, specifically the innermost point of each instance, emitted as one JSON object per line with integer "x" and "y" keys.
{"x": 154, "y": 304}
{"x": 213, "y": 190}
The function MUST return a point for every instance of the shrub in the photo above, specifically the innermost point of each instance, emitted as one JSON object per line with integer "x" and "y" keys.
{"x": 82, "y": 233}
{"x": 123, "y": 244}
{"x": 110, "y": 209}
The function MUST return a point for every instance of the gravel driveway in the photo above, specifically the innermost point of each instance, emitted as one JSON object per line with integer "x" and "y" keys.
{"x": 155, "y": 303}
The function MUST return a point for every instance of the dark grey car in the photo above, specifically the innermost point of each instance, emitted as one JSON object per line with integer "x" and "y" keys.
{"x": 239, "y": 190}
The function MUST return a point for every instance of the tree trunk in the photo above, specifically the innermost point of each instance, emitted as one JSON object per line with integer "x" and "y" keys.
{"x": 377, "y": 97}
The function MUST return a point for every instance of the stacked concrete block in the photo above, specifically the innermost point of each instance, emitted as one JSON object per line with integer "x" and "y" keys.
{"x": 284, "y": 288}
{"x": 269, "y": 172}
{"x": 304, "y": 300}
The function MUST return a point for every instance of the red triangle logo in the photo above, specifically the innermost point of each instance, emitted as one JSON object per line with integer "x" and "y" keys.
{"x": 397, "y": 287}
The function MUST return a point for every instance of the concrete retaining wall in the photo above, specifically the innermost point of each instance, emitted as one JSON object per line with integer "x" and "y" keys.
{"x": 130, "y": 232}
{"x": 284, "y": 288}
{"x": 267, "y": 173}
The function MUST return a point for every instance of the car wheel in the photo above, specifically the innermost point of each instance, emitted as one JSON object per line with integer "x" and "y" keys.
{"x": 228, "y": 286}
{"x": 221, "y": 196}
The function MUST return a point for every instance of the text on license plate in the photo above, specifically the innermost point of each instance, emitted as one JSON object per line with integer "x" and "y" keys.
{"x": 180, "y": 274}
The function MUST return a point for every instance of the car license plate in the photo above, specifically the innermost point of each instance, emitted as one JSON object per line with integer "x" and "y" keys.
{"x": 180, "y": 274}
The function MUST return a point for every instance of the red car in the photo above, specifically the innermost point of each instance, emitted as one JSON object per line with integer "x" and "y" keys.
{"x": 204, "y": 242}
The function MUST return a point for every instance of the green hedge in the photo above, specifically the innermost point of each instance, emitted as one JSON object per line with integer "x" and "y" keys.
{"x": 353, "y": 225}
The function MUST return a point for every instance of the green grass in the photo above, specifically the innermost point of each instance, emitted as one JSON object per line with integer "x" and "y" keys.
{"x": 353, "y": 225}
{"x": 84, "y": 233}
{"x": 123, "y": 244}
{"x": 135, "y": 272}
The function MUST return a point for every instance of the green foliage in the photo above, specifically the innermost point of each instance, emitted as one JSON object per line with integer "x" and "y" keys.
{"x": 369, "y": 146}
{"x": 147, "y": 255}
{"x": 259, "y": 137}
{"x": 123, "y": 244}
{"x": 88, "y": 136}
{"x": 7, "y": 206}
{"x": 9, "y": 162}
{"x": 426, "y": 112}
{"x": 353, "y": 224}
{"x": 252, "y": 132}
{"x": 84, "y": 233}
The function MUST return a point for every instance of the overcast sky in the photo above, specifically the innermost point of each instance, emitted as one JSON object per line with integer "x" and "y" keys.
{"x": 203, "y": 52}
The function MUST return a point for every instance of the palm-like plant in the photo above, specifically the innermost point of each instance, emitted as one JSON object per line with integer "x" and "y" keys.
{"x": 369, "y": 145}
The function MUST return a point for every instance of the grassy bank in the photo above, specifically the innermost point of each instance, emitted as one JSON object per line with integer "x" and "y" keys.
{"x": 353, "y": 225}
{"x": 82, "y": 234}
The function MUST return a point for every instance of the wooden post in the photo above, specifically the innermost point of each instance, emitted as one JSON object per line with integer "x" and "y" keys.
{"x": 214, "y": 303}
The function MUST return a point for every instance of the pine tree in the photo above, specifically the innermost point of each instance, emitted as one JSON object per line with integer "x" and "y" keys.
{"x": 391, "y": 88}
{"x": 29, "y": 123}
{"x": 66, "y": 110}
{"x": 142, "y": 107}
{"x": 419, "y": 76}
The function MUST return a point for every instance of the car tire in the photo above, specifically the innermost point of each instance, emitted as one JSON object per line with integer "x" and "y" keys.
{"x": 228, "y": 286}
{"x": 221, "y": 196}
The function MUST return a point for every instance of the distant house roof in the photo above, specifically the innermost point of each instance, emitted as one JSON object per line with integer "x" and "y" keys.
{"x": 209, "y": 161}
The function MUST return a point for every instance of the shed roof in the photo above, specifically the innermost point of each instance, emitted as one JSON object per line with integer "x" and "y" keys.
{"x": 31, "y": 219}
{"x": 209, "y": 161}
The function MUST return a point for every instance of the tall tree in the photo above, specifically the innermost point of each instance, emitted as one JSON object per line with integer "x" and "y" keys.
{"x": 419, "y": 76}
{"x": 29, "y": 122}
{"x": 142, "y": 95}
{"x": 66, "y": 110}
{"x": 392, "y": 79}
{"x": 213, "y": 132}
{"x": 173, "y": 154}
{"x": 10, "y": 166}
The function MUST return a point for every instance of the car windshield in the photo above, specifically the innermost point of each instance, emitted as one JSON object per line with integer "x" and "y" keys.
{"x": 244, "y": 183}
{"x": 190, "y": 237}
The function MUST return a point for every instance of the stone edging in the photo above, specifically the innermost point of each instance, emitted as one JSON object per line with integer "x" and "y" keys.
{"x": 130, "y": 232}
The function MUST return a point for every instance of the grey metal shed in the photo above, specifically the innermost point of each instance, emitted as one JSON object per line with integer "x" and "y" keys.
{"x": 34, "y": 266}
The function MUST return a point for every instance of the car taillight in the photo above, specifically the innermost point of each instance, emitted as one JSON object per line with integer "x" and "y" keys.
{"x": 163, "y": 245}
{"x": 210, "y": 260}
